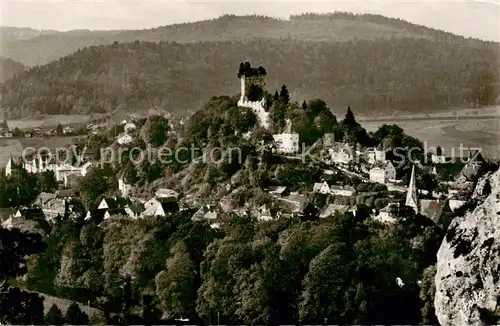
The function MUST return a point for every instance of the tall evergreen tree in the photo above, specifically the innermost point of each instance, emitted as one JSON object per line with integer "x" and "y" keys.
{"x": 304, "y": 105}
{"x": 59, "y": 130}
{"x": 54, "y": 316}
{"x": 75, "y": 316}
{"x": 284, "y": 94}
{"x": 349, "y": 117}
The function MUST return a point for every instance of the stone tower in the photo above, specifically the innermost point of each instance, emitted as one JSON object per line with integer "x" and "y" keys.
{"x": 243, "y": 88}
{"x": 412, "y": 194}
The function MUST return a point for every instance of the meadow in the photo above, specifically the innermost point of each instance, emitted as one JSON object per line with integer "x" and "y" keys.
{"x": 49, "y": 122}
{"x": 449, "y": 133}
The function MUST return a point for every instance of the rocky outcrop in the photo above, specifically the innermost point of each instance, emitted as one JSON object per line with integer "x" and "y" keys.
{"x": 468, "y": 262}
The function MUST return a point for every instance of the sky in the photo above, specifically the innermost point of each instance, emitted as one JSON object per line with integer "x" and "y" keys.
{"x": 474, "y": 18}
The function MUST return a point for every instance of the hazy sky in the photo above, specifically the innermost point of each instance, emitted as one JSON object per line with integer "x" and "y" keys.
{"x": 467, "y": 17}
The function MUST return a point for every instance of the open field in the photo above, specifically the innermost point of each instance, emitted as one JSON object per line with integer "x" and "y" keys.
{"x": 448, "y": 113}
{"x": 49, "y": 122}
{"x": 451, "y": 133}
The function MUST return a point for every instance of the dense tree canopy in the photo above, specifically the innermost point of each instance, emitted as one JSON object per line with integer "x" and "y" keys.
{"x": 18, "y": 307}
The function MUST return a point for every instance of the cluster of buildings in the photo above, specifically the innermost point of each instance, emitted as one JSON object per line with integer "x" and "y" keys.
{"x": 4, "y": 130}
{"x": 64, "y": 172}
{"x": 430, "y": 208}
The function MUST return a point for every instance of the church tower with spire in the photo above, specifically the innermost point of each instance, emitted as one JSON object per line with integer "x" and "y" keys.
{"x": 412, "y": 194}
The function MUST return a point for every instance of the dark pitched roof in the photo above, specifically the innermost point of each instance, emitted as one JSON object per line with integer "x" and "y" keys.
{"x": 33, "y": 213}
{"x": 63, "y": 193}
{"x": 44, "y": 197}
{"x": 117, "y": 203}
{"x": 136, "y": 207}
{"x": 277, "y": 189}
{"x": 169, "y": 206}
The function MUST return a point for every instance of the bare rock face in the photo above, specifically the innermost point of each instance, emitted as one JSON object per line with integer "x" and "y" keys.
{"x": 468, "y": 264}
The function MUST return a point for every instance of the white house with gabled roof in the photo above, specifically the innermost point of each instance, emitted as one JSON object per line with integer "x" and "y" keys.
{"x": 321, "y": 187}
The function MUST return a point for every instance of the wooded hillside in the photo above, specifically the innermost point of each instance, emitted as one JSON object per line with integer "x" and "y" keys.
{"x": 9, "y": 67}
{"x": 39, "y": 47}
{"x": 378, "y": 76}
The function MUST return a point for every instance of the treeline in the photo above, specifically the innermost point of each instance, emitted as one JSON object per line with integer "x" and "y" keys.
{"x": 376, "y": 77}
{"x": 437, "y": 35}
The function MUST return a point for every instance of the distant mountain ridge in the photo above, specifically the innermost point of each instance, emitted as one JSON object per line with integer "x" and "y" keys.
{"x": 47, "y": 46}
{"x": 374, "y": 77}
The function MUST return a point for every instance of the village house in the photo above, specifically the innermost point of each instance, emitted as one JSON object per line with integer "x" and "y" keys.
{"x": 287, "y": 142}
{"x": 87, "y": 167}
{"x": 6, "y": 134}
{"x": 124, "y": 139}
{"x": 116, "y": 206}
{"x": 167, "y": 194}
{"x": 55, "y": 208}
{"x": 10, "y": 167}
{"x": 4, "y": 127}
{"x": 129, "y": 127}
{"x": 64, "y": 170}
{"x": 206, "y": 212}
{"x": 279, "y": 191}
{"x": 455, "y": 204}
{"x": 159, "y": 207}
{"x": 67, "y": 130}
{"x": 340, "y": 153}
{"x": 328, "y": 140}
{"x": 265, "y": 213}
{"x": 22, "y": 215}
{"x": 383, "y": 172}
{"x": 342, "y": 190}
{"x": 333, "y": 209}
{"x": 123, "y": 186}
{"x": 43, "y": 198}
{"x": 321, "y": 187}
{"x": 388, "y": 213}
{"x": 375, "y": 155}
{"x": 71, "y": 180}
{"x": 438, "y": 159}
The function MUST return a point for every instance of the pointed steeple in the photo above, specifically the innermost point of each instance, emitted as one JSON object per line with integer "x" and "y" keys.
{"x": 412, "y": 194}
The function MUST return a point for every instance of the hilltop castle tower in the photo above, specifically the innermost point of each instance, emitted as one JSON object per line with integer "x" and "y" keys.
{"x": 412, "y": 194}
{"x": 257, "y": 106}
{"x": 243, "y": 96}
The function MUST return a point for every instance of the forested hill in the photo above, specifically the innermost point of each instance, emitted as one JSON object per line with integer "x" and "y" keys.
{"x": 8, "y": 68}
{"x": 46, "y": 46}
{"x": 371, "y": 76}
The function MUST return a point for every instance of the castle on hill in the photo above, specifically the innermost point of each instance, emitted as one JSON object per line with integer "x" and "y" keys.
{"x": 252, "y": 96}
{"x": 253, "y": 78}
